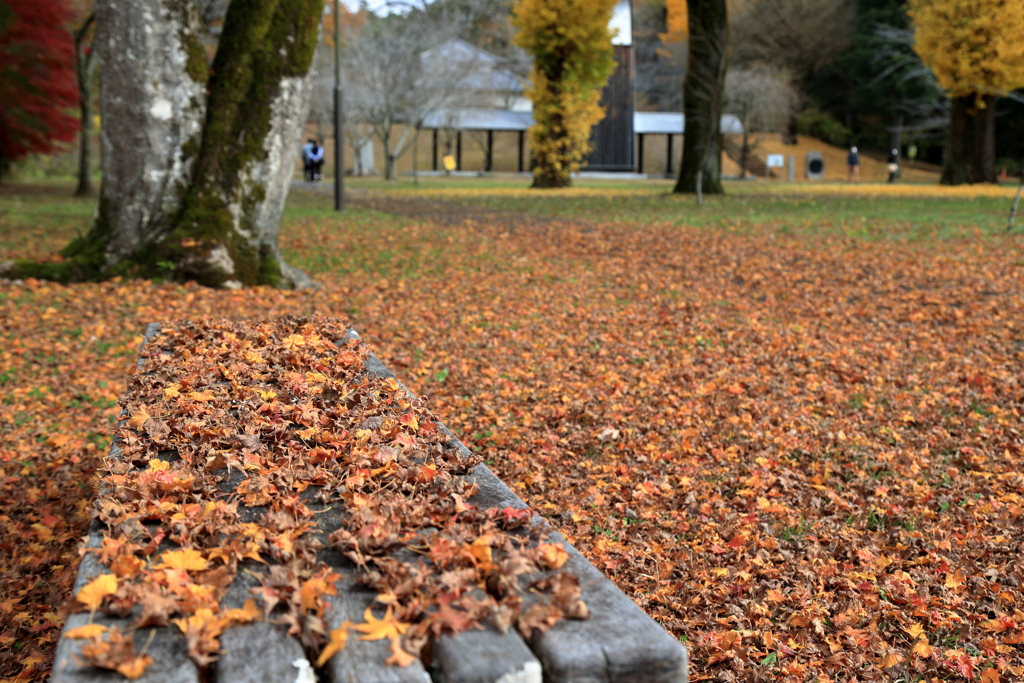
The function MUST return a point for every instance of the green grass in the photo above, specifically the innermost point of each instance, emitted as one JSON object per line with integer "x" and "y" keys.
{"x": 787, "y": 208}
{"x": 38, "y": 219}
{"x": 37, "y": 224}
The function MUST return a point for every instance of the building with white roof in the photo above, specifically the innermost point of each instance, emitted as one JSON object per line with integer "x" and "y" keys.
{"x": 502, "y": 107}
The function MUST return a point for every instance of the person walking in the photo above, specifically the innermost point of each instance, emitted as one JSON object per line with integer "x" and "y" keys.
{"x": 316, "y": 160}
{"x": 307, "y": 166}
{"x": 893, "y": 165}
{"x": 853, "y": 165}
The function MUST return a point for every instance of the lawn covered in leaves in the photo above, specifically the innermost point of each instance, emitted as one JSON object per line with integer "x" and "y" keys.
{"x": 795, "y": 443}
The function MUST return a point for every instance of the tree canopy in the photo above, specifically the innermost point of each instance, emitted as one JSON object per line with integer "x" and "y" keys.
{"x": 974, "y": 47}
{"x": 976, "y": 50}
{"x": 572, "y": 60}
{"x": 37, "y": 78}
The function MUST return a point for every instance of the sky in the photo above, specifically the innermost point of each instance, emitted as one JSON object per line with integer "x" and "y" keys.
{"x": 374, "y": 5}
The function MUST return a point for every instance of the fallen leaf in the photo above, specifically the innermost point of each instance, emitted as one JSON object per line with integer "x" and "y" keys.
{"x": 399, "y": 657}
{"x": 335, "y": 643}
{"x": 378, "y": 629}
{"x": 87, "y": 631}
{"x": 187, "y": 559}
{"x": 552, "y": 555}
{"x": 92, "y": 594}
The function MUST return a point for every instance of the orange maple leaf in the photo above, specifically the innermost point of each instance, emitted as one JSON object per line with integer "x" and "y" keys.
{"x": 379, "y": 629}
{"x": 187, "y": 559}
{"x": 85, "y": 632}
{"x": 335, "y": 643}
{"x": 399, "y": 657}
{"x": 552, "y": 555}
{"x": 92, "y": 594}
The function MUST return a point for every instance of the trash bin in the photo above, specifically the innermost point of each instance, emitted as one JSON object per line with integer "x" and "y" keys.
{"x": 815, "y": 166}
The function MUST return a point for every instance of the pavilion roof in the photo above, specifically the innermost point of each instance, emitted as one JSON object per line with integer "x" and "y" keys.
{"x": 644, "y": 122}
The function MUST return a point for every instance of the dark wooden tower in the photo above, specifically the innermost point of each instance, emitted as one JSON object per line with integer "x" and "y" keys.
{"x": 613, "y": 136}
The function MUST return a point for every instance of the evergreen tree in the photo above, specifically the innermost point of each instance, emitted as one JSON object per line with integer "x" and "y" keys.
{"x": 879, "y": 85}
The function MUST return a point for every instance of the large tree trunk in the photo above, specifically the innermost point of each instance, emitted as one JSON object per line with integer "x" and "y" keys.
{"x": 260, "y": 94}
{"x": 744, "y": 154}
{"x": 703, "y": 90}
{"x": 791, "y": 135}
{"x": 152, "y": 107}
{"x": 971, "y": 145}
{"x": 896, "y": 138}
{"x": 85, "y": 59}
{"x": 196, "y": 171}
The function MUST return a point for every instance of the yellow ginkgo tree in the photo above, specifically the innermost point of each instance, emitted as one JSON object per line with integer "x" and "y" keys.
{"x": 571, "y": 46}
{"x": 976, "y": 50}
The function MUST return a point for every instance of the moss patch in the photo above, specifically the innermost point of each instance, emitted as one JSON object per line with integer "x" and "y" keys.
{"x": 196, "y": 67}
{"x": 270, "y": 269}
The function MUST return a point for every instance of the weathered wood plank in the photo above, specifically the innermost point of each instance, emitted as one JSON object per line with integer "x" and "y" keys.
{"x": 167, "y": 648}
{"x": 619, "y": 643}
{"x": 253, "y": 653}
{"x": 258, "y": 652}
{"x": 362, "y": 661}
{"x": 485, "y": 657}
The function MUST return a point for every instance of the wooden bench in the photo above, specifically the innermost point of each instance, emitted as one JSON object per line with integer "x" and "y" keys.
{"x": 618, "y": 643}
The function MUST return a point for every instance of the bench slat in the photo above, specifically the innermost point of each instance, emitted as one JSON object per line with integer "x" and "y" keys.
{"x": 362, "y": 661}
{"x": 255, "y": 652}
{"x": 486, "y": 657}
{"x": 168, "y": 650}
{"x": 258, "y": 652}
{"x": 619, "y": 643}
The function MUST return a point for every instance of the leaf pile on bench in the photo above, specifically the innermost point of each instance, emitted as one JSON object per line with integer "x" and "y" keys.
{"x": 238, "y": 438}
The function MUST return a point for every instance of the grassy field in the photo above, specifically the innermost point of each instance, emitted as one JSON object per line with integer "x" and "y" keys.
{"x": 38, "y": 218}
{"x": 787, "y": 423}
{"x": 870, "y": 211}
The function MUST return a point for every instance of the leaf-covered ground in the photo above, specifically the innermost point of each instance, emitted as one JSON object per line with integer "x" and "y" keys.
{"x": 799, "y": 449}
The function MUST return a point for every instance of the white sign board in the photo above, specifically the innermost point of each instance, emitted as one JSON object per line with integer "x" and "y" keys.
{"x": 776, "y": 160}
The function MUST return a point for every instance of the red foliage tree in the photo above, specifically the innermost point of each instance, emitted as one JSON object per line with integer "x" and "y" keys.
{"x": 37, "y": 78}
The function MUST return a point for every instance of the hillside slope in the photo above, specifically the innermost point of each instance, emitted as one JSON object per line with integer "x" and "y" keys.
{"x": 871, "y": 169}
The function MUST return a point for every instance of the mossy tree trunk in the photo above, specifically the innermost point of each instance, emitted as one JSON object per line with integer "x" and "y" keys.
{"x": 258, "y": 104}
{"x": 971, "y": 142}
{"x": 197, "y": 161}
{"x": 703, "y": 90}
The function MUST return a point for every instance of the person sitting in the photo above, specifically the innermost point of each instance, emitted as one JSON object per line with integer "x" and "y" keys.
{"x": 853, "y": 165}
{"x": 316, "y": 160}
